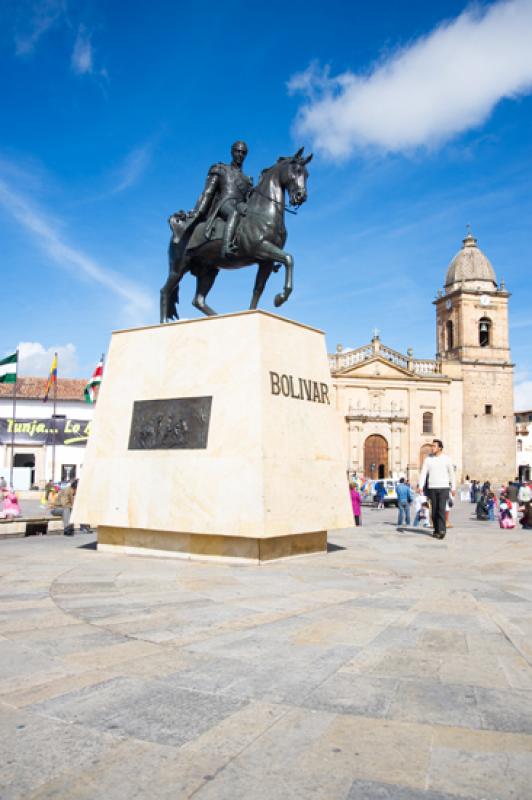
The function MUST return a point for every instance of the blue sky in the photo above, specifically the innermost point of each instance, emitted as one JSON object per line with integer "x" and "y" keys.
{"x": 419, "y": 116}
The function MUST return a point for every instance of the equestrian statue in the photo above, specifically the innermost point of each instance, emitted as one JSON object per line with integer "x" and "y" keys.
{"x": 234, "y": 225}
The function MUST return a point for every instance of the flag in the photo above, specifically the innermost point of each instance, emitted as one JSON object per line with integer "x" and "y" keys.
{"x": 8, "y": 369}
{"x": 52, "y": 378}
{"x": 89, "y": 393}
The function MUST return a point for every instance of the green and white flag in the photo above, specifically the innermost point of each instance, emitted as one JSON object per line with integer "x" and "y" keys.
{"x": 8, "y": 369}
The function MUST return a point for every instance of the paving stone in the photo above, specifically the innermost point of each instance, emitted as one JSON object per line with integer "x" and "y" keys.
{"x": 34, "y": 749}
{"x": 437, "y": 704}
{"x": 505, "y": 710}
{"x": 354, "y": 694}
{"x": 369, "y": 790}
{"x": 152, "y": 711}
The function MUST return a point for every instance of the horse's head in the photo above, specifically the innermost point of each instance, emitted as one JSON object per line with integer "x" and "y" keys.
{"x": 293, "y": 176}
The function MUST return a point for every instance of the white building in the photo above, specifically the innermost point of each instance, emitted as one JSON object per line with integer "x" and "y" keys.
{"x": 523, "y": 428}
{"x": 35, "y": 429}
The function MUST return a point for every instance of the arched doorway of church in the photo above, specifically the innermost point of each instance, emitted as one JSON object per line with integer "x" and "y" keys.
{"x": 425, "y": 451}
{"x": 376, "y": 457}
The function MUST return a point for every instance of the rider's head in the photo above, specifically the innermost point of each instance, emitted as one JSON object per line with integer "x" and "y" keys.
{"x": 239, "y": 151}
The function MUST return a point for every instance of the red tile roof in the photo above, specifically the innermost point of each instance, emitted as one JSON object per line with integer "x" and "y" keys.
{"x": 34, "y": 389}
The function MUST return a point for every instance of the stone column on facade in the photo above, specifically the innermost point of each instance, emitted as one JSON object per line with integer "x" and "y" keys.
{"x": 352, "y": 462}
{"x": 413, "y": 455}
{"x": 360, "y": 440}
{"x": 396, "y": 445}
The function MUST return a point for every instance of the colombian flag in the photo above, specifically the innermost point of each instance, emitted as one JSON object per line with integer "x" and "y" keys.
{"x": 52, "y": 378}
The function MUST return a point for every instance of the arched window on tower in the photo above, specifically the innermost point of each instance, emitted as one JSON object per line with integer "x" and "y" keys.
{"x": 450, "y": 335}
{"x": 427, "y": 422}
{"x": 484, "y": 332}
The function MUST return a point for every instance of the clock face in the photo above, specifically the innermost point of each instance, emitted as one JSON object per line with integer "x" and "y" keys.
{"x": 448, "y": 305}
{"x": 484, "y": 300}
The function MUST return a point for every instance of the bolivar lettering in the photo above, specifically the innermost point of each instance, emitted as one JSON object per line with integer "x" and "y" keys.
{"x": 299, "y": 388}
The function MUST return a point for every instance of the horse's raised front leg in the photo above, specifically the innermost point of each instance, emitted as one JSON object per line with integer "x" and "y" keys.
{"x": 263, "y": 273}
{"x": 276, "y": 254}
{"x": 204, "y": 284}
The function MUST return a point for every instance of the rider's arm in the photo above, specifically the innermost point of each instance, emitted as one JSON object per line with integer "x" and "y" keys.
{"x": 205, "y": 199}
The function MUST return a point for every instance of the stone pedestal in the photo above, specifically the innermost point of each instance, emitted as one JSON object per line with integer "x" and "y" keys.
{"x": 215, "y": 437}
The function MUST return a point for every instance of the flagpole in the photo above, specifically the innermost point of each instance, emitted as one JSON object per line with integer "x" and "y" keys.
{"x": 55, "y": 421}
{"x": 13, "y": 427}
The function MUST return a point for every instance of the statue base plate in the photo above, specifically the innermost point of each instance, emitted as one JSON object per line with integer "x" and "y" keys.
{"x": 209, "y": 547}
{"x": 216, "y": 438}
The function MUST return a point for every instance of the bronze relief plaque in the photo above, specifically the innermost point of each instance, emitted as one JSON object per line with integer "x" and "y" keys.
{"x": 176, "y": 424}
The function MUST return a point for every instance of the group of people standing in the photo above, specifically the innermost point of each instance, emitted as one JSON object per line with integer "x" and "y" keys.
{"x": 432, "y": 500}
{"x": 513, "y": 499}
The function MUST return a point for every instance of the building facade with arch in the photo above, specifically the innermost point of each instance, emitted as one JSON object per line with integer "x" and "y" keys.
{"x": 393, "y": 405}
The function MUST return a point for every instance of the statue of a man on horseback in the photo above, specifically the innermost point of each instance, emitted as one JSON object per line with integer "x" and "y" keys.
{"x": 203, "y": 240}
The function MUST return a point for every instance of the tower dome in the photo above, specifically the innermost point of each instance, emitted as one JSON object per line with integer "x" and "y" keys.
{"x": 471, "y": 267}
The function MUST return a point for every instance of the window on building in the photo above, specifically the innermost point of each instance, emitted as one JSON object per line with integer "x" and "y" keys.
{"x": 519, "y": 445}
{"x": 484, "y": 332}
{"x": 450, "y": 335}
{"x": 488, "y": 409}
{"x": 427, "y": 422}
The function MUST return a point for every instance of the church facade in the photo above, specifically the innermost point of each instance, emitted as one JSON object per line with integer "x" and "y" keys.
{"x": 392, "y": 405}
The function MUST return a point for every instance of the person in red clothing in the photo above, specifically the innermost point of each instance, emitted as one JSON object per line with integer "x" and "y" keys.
{"x": 356, "y": 502}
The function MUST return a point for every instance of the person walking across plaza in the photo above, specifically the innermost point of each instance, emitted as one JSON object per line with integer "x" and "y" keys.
{"x": 438, "y": 475}
{"x": 404, "y": 498}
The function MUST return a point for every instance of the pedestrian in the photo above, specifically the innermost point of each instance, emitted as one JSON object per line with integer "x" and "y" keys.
{"x": 404, "y": 498}
{"x": 448, "y": 505}
{"x": 3, "y": 484}
{"x": 482, "y": 510}
{"x": 380, "y": 493}
{"x": 424, "y": 515}
{"x": 438, "y": 474}
{"x": 473, "y": 491}
{"x": 491, "y": 506}
{"x": 512, "y": 493}
{"x": 506, "y": 519}
{"x": 524, "y": 495}
{"x": 419, "y": 501}
{"x": 10, "y": 507}
{"x": 526, "y": 519}
{"x": 356, "y": 502}
{"x": 67, "y": 501}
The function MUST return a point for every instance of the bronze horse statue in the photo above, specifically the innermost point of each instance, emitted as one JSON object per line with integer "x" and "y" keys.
{"x": 261, "y": 236}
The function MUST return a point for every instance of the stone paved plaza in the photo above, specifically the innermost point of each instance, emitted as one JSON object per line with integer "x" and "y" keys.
{"x": 396, "y": 667}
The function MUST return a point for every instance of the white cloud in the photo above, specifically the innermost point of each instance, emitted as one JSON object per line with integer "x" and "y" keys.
{"x": 36, "y": 19}
{"x": 439, "y": 86}
{"x": 523, "y": 396}
{"x": 48, "y": 237}
{"x": 81, "y": 60}
{"x": 135, "y": 164}
{"x": 35, "y": 360}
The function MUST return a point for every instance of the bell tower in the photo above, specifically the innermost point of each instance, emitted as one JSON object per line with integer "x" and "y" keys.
{"x": 473, "y": 345}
